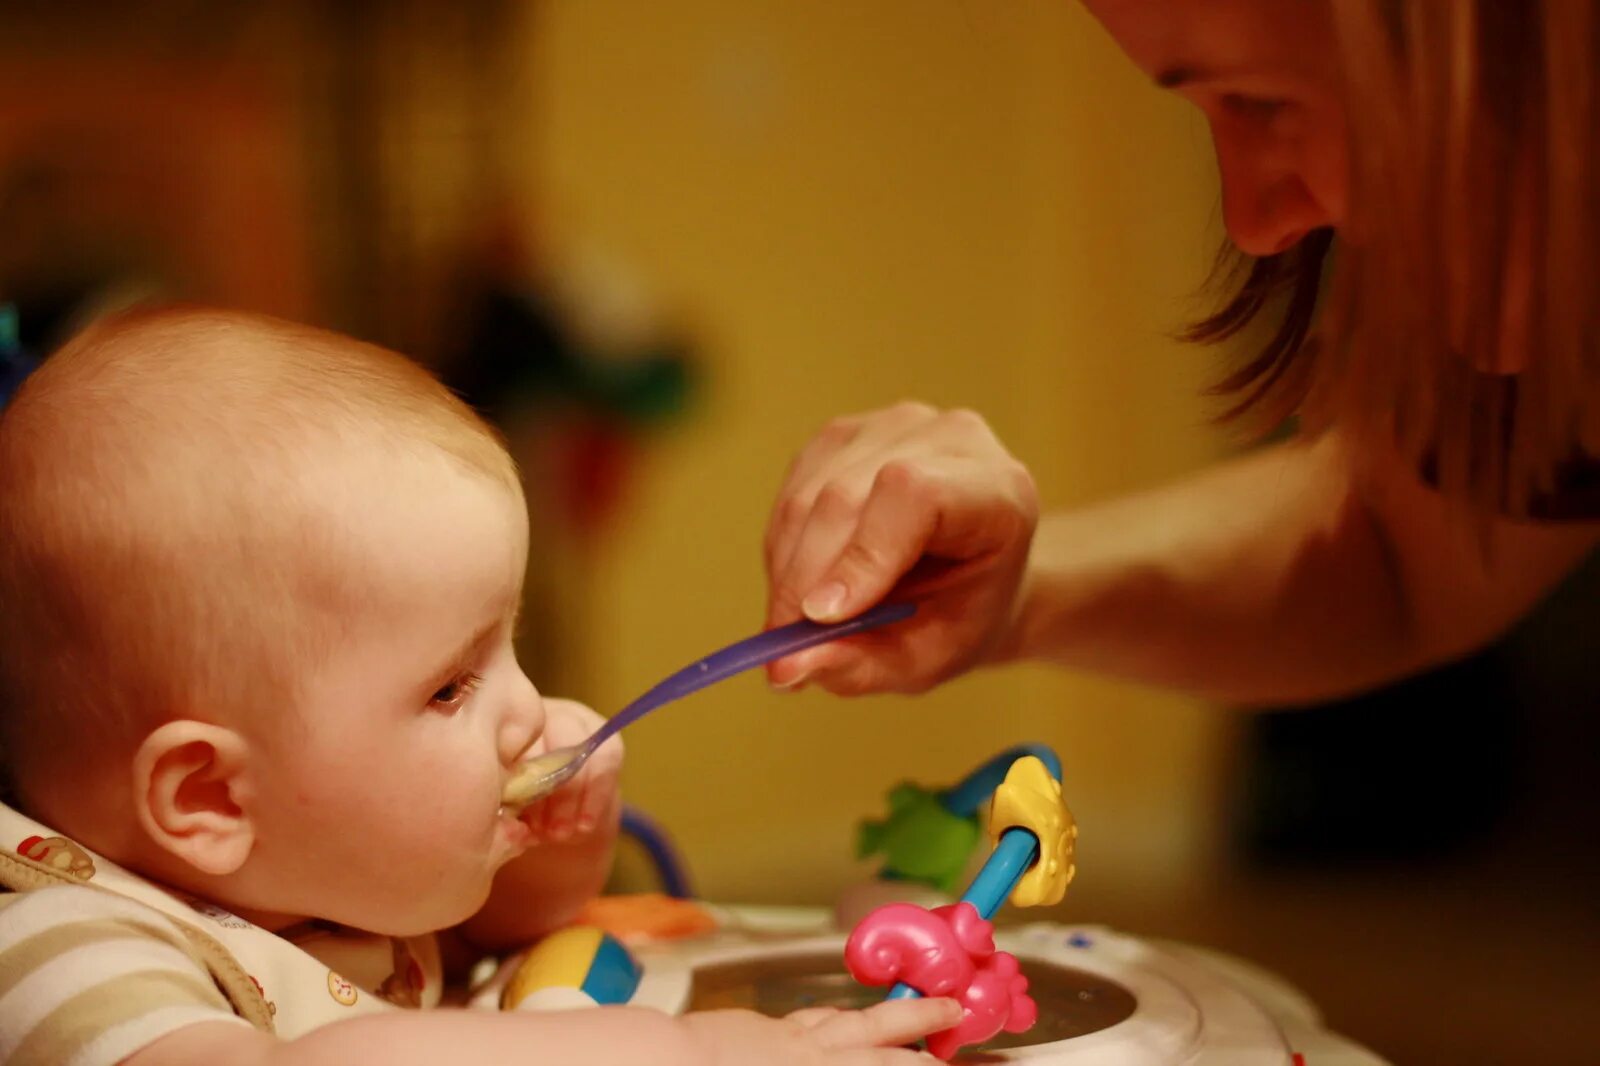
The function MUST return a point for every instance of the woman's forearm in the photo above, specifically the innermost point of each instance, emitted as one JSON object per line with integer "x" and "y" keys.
{"x": 1272, "y": 579}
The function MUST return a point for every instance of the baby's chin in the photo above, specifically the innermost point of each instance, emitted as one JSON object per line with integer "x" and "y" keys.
{"x": 411, "y": 924}
{"x": 411, "y": 914}
{"x": 395, "y": 893}
{"x": 441, "y": 915}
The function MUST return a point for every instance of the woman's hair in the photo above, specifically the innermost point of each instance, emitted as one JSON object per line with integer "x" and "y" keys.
{"x": 1475, "y": 225}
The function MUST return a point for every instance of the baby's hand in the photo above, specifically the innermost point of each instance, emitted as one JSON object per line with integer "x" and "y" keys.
{"x": 822, "y": 1036}
{"x": 580, "y": 805}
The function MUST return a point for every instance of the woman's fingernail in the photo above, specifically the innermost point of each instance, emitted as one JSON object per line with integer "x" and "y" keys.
{"x": 824, "y": 604}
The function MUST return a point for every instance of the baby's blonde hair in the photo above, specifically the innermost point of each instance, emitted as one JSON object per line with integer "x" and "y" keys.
{"x": 158, "y": 558}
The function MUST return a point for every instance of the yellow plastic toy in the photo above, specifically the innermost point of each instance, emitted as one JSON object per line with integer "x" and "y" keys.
{"x": 1030, "y": 798}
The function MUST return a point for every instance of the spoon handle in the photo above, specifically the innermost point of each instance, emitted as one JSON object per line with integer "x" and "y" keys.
{"x": 751, "y": 652}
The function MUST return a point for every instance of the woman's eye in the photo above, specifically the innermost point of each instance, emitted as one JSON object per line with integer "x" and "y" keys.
{"x": 1260, "y": 108}
{"x": 454, "y": 693}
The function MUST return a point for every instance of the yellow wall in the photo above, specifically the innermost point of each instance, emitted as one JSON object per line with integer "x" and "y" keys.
{"x": 968, "y": 202}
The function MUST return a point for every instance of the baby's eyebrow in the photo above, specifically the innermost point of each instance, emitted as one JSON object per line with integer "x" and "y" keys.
{"x": 465, "y": 652}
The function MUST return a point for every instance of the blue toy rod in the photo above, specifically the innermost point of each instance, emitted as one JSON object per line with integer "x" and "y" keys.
{"x": 965, "y": 798}
{"x": 1009, "y": 860}
{"x": 994, "y": 884}
{"x": 1017, "y": 849}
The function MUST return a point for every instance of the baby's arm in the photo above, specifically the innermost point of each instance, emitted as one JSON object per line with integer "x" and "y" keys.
{"x": 611, "y": 1036}
{"x": 576, "y": 835}
{"x": 91, "y": 976}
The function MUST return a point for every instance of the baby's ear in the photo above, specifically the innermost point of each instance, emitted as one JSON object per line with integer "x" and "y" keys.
{"x": 186, "y": 791}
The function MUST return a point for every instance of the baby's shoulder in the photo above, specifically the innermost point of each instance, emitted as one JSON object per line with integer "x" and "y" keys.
{"x": 77, "y": 934}
{"x": 97, "y": 973}
{"x": 27, "y": 914}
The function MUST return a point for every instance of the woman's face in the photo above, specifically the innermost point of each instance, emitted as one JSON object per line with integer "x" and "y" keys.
{"x": 1266, "y": 75}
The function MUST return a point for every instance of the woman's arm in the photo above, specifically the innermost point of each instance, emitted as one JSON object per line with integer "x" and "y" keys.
{"x": 1282, "y": 577}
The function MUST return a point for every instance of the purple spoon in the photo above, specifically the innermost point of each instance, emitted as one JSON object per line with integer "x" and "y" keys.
{"x": 542, "y": 774}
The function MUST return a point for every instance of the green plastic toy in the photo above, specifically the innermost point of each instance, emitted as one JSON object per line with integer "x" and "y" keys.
{"x": 920, "y": 840}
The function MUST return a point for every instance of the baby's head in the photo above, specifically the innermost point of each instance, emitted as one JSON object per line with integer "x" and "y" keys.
{"x": 257, "y": 590}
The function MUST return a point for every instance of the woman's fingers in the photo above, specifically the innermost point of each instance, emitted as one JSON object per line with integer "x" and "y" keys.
{"x": 871, "y": 504}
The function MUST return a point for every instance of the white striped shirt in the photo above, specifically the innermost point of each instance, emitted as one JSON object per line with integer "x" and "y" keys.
{"x": 88, "y": 978}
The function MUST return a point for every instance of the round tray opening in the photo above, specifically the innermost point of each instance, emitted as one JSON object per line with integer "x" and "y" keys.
{"x": 1072, "y": 1002}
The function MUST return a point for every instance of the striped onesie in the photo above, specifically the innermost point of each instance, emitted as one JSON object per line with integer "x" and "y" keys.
{"x": 97, "y": 963}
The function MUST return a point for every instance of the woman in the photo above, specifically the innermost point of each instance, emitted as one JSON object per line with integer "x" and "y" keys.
{"x": 1437, "y": 164}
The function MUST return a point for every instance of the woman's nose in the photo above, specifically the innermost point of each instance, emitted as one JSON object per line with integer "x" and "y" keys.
{"x": 1268, "y": 217}
{"x": 1268, "y": 202}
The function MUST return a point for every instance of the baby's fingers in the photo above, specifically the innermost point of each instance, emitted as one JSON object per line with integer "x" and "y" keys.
{"x": 547, "y": 815}
{"x": 561, "y": 810}
{"x": 600, "y": 786}
{"x": 882, "y": 1056}
{"x": 893, "y": 1022}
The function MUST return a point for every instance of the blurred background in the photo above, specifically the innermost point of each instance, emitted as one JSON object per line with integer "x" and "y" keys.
{"x": 661, "y": 244}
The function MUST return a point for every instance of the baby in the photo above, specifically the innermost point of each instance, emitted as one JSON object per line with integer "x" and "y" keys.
{"x": 258, "y": 702}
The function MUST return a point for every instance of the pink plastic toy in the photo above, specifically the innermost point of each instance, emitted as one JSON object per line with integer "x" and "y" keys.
{"x": 948, "y": 951}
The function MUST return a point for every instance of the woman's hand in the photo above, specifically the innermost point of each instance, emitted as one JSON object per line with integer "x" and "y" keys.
{"x": 907, "y": 502}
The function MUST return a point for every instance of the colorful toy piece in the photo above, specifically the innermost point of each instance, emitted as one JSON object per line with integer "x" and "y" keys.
{"x": 647, "y": 916}
{"x": 15, "y": 364}
{"x": 1031, "y": 799}
{"x": 949, "y": 950}
{"x": 929, "y": 834}
{"x": 921, "y": 839}
{"x": 576, "y": 966}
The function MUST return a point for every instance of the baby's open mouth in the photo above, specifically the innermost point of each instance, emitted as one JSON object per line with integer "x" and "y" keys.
{"x": 532, "y": 778}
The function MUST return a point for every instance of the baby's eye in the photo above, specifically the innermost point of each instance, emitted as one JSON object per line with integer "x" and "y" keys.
{"x": 454, "y": 693}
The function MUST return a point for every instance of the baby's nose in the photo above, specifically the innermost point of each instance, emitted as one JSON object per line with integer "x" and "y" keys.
{"x": 523, "y": 722}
